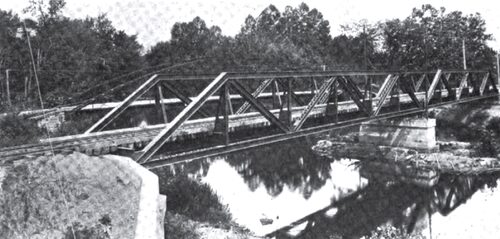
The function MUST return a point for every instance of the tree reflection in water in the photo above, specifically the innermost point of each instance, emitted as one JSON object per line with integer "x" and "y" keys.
{"x": 402, "y": 205}
{"x": 291, "y": 163}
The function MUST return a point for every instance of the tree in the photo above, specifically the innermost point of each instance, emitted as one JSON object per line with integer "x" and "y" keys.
{"x": 71, "y": 55}
{"x": 295, "y": 39}
{"x": 14, "y": 56}
{"x": 431, "y": 38}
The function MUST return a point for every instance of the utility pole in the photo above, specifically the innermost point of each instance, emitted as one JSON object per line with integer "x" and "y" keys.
{"x": 7, "y": 86}
{"x": 463, "y": 54}
{"x": 498, "y": 67}
{"x": 33, "y": 63}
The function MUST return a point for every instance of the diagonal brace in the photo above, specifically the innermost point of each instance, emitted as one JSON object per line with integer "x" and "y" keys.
{"x": 354, "y": 93}
{"x": 294, "y": 96}
{"x": 119, "y": 109}
{"x": 160, "y": 139}
{"x": 186, "y": 100}
{"x": 433, "y": 85}
{"x": 315, "y": 100}
{"x": 255, "y": 94}
{"x": 483, "y": 83}
{"x": 258, "y": 106}
{"x": 463, "y": 81}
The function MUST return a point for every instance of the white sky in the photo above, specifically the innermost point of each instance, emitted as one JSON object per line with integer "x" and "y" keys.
{"x": 151, "y": 20}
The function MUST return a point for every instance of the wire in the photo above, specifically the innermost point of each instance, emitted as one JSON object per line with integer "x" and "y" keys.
{"x": 90, "y": 100}
{"x": 48, "y": 132}
{"x": 131, "y": 73}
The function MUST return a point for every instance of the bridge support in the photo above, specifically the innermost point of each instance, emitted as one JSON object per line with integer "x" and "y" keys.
{"x": 415, "y": 133}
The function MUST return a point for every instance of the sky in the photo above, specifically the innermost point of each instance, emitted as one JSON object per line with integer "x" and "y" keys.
{"x": 152, "y": 20}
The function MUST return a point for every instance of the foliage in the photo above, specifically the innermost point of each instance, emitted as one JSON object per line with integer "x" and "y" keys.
{"x": 195, "y": 200}
{"x": 431, "y": 38}
{"x": 178, "y": 227}
{"x": 15, "y": 130}
{"x": 390, "y": 232}
{"x": 77, "y": 59}
{"x": 70, "y": 55}
{"x": 479, "y": 128}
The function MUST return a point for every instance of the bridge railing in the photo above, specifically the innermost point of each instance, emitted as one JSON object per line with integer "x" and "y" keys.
{"x": 374, "y": 94}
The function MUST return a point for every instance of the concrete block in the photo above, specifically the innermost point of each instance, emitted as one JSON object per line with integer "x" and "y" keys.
{"x": 415, "y": 133}
{"x": 152, "y": 205}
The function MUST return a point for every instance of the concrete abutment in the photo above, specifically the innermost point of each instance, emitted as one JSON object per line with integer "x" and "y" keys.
{"x": 414, "y": 133}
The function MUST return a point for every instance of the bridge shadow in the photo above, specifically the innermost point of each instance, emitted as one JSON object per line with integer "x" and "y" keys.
{"x": 402, "y": 205}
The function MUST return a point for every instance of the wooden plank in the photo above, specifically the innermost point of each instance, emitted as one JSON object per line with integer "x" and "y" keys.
{"x": 115, "y": 112}
{"x": 190, "y": 110}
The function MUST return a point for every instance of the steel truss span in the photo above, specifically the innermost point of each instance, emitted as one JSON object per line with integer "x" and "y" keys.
{"x": 335, "y": 99}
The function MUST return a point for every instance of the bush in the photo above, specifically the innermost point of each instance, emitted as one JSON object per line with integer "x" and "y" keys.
{"x": 178, "y": 227}
{"x": 194, "y": 200}
{"x": 390, "y": 232}
{"x": 15, "y": 130}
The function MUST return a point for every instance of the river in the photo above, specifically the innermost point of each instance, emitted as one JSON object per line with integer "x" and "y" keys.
{"x": 286, "y": 190}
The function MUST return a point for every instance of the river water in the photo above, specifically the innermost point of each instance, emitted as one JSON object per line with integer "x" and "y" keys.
{"x": 286, "y": 190}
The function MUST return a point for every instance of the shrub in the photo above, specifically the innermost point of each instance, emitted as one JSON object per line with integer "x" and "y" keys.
{"x": 178, "y": 227}
{"x": 195, "y": 200}
{"x": 390, "y": 232}
{"x": 15, "y": 130}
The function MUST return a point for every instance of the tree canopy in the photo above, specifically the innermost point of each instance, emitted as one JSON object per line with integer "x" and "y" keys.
{"x": 78, "y": 58}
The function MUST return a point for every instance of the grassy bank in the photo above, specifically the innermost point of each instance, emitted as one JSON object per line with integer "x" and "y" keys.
{"x": 194, "y": 210}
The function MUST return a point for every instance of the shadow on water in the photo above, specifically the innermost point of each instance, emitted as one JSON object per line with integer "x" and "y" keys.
{"x": 402, "y": 205}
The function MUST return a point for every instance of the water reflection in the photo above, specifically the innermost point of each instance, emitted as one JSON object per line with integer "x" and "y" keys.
{"x": 309, "y": 196}
{"x": 292, "y": 164}
{"x": 402, "y": 205}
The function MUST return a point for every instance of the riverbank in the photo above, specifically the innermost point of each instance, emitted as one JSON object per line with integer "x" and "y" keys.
{"x": 194, "y": 211}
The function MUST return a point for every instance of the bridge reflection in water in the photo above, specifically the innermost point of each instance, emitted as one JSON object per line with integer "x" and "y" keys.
{"x": 309, "y": 196}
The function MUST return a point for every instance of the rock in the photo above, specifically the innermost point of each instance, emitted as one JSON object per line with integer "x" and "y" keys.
{"x": 266, "y": 221}
{"x": 105, "y": 190}
{"x": 324, "y": 144}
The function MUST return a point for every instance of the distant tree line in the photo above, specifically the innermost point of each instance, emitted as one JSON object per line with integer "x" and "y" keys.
{"x": 76, "y": 58}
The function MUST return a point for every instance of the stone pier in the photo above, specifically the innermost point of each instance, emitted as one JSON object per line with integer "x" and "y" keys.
{"x": 414, "y": 133}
